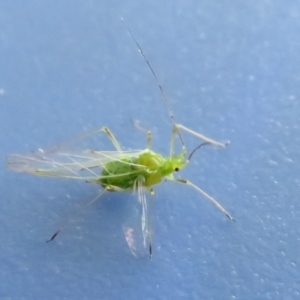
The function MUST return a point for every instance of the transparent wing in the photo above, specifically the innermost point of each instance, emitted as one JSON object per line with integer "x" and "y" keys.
{"x": 82, "y": 164}
{"x": 73, "y": 158}
{"x": 138, "y": 222}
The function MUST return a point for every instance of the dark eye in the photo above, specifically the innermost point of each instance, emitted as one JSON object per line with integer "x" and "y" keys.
{"x": 176, "y": 169}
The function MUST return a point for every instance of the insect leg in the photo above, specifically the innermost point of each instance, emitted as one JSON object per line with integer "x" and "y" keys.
{"x": 175, "y": 133}
{"x": 147, "y": 216}
{"x": 146, "y": 131}
{"x": 112, "y": 138}
{"x": 67, "y": 144}
{"x": 137, "y": 226}
{"x": 74, "y": 215}
{"x": 199, "y": 135}
{"x": 214, "y": 201}
{"x": 149, "y": 139}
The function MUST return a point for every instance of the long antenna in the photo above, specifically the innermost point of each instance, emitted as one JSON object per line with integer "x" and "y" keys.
{"x": 157, "y": 81}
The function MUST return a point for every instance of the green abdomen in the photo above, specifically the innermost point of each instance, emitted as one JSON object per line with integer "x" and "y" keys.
{"x": 121, "y": 174}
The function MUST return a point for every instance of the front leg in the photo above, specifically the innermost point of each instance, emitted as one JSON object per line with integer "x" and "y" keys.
{"x": 214, "y": 201}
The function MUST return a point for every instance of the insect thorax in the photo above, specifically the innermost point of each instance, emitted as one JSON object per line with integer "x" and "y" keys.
{"x": 151, "y": 166}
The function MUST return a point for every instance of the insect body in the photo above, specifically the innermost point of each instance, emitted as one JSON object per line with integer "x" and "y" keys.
{"x": 120, "y": 171}
{"x": 151, "y": 167}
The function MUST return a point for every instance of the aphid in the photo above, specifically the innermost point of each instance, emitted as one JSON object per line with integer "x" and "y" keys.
{"x": 121, "y": 171}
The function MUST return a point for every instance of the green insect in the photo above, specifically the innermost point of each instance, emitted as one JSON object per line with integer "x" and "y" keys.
{"x": 120, "y": 171}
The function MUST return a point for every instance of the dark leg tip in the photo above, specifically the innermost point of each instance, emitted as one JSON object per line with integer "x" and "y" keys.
{"x": 54, "y": 235}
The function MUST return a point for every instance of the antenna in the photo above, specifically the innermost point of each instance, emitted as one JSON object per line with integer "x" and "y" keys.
{"x": 201, "y": 145}
{"x": 157, "y": 81}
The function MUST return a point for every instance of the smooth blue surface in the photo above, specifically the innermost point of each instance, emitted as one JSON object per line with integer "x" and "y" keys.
{"x": 231, "y": 70}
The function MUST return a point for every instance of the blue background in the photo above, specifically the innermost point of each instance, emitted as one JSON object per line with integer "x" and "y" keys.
{"x": 231, "y": 70}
